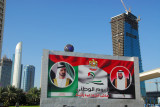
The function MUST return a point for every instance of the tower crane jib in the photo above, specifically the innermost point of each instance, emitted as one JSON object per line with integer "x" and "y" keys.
{"x": 124, "y": 6}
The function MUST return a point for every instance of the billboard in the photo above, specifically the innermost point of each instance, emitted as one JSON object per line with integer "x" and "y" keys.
{"x": 87, "y": 77}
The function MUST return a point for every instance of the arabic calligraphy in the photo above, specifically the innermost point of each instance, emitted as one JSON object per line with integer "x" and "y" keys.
{"x": 92, "y": 95}
{"x": 92, "y": 89}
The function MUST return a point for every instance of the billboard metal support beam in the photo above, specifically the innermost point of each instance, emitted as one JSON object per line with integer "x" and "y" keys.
{"x": 150, "y": 74}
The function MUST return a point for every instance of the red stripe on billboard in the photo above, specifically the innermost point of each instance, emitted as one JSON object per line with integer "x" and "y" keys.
{"x": 105, "y": 64}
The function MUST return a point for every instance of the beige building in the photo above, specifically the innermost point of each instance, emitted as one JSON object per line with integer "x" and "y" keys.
{"x": 2, "y": 16}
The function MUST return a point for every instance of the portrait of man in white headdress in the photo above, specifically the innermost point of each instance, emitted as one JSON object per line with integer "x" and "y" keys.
{"x": 62, "y": 78}
{"x": 121, "y": 82}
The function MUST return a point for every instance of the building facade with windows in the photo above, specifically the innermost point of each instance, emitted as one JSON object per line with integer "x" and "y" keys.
{"x": 2, "y": 16}
{"x": 5, "y": 71}
{"x": 125, "y": 39}
{"x": 13, "y": 58}
{"x": 28, "y": 77}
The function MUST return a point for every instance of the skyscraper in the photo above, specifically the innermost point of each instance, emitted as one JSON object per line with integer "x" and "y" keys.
{"x": 5, "y": 71}
{"x": 12, "y": 68}
{"x": 125, "y": 39}
{"x": 17, "y": 66}
{"x": 28, "y": 77}
{"x": 2, "y": 16}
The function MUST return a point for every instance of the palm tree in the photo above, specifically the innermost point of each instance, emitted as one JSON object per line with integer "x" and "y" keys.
{"x": 33, "y": 96}
{"x": 1, "y": 97}
{"x": 20, "y": 97}
{"x": 9, "y": 95}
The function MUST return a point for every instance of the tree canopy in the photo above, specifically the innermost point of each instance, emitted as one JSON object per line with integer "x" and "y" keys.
{"x": 11, "y": 95}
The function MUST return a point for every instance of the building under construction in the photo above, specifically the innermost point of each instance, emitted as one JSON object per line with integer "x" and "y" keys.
{"x": 125, "y": 39}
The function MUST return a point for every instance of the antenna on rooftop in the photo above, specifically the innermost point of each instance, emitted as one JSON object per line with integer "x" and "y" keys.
{"x": 125, "y": 7}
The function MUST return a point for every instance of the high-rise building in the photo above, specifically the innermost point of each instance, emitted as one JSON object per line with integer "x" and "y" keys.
{"x": 125, "y": 39}
{"x": 12, "y": 71}
{"x": 2, "y": 16}
{"x": 17, "y": 74}
{"x": 28, "y": 77}
{"x": 21, "y": 75}
{"x": 12, "y": 68}
{"x": 5, "y": 71}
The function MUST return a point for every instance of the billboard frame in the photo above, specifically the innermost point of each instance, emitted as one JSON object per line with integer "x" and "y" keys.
{"x": 87, "y": 102}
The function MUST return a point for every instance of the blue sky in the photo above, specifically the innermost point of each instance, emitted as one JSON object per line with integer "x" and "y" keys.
{"x": 51, "y": 24}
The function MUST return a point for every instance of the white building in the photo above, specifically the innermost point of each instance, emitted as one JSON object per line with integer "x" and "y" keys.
{"x": 17, "y": 74}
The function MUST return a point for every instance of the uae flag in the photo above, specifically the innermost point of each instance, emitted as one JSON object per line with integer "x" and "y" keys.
{"x": 92, "y": 84}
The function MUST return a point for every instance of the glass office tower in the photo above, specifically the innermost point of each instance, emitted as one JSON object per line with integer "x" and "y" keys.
{"x": 13, "y": 58}
{"x": 125, "y": 39}
{"x": 28, "y": 77}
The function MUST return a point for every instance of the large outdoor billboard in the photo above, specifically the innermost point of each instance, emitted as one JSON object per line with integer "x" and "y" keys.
{"x": 87, "y": 77}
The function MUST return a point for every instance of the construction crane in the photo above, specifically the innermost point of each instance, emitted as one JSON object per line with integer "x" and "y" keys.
{"x": 125, "y": 7}
{"x": 138, "y": 19}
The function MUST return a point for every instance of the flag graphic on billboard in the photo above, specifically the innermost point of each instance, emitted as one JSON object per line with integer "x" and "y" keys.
{"x": 71, "y": 76}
